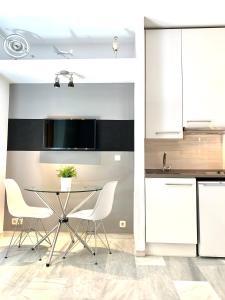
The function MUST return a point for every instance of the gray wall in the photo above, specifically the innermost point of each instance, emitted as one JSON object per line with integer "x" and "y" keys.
{"x": 103, "y": 101}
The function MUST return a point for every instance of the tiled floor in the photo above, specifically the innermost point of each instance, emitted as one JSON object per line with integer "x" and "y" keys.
{"x": 117, "y": 276}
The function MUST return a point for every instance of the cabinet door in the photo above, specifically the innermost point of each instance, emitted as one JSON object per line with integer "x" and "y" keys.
{"x": 171, "y": 210}
{"x": 211, "y": 218}
{"x": 203, "y": 56}
{"x": 163, "y": 84}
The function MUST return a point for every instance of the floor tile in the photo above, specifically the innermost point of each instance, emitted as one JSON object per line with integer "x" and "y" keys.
{"x": 195, "y": 290}
{"x": 120, "y": 290}
{"x": 182, "y": 268}
{"x": 215, "y": 275}
{"x": 117, "y": 276}
{"x": 154, "y": 283}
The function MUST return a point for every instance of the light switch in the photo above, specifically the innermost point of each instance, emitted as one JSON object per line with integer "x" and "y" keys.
{"x": 117, "y": 157}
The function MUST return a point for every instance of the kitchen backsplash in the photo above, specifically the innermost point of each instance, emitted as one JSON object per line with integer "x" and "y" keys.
{"x": 195, "y": 151}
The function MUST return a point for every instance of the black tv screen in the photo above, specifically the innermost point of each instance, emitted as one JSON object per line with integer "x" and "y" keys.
{"x": 70, "y": 134}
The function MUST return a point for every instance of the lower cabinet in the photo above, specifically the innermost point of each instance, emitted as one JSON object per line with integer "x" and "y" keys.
{"x": 171, "y": 211}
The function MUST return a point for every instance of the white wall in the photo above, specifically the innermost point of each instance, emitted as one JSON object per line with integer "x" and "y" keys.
{"x": 4, "y": 108}
{"x": 139, "y": 133}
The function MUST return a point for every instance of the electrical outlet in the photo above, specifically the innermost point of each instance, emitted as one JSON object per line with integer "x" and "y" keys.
{"x": 14, "y": 221}
{"x": 123, "y": 224}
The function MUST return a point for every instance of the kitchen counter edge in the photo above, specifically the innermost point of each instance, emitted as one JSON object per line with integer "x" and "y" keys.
{"x": 183, "y": 174}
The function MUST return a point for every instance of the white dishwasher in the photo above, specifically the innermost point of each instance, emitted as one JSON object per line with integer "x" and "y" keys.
{"x": 211, "y": 218}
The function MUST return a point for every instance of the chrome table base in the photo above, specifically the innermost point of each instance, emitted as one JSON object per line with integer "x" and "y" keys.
{"x": 63, "y": 220}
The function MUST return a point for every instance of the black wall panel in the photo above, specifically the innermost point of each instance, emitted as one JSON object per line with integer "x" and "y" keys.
{"x": 112, "y": 135}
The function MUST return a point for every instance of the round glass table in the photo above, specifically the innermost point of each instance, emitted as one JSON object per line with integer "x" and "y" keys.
{"x": 76, "y": 188}
{"x": 43, "y": 191}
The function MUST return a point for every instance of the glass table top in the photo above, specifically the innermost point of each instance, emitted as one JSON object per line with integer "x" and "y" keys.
{"x": 76, "y": 188}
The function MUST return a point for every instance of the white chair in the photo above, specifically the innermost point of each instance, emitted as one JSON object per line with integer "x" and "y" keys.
{"x": 96, "y": 215}
{"x": 18, "y": 208}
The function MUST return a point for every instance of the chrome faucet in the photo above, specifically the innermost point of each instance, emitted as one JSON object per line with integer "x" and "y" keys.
{"x": 165, "y": 167}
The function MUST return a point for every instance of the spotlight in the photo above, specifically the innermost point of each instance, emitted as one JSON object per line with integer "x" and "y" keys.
{"x": 71, "y": 84}
{"x": 57, "y": 84}
{"x": 115, "y": 45}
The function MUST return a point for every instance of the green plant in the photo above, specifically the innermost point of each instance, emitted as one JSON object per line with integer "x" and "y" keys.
{"x": 67, "y": 172}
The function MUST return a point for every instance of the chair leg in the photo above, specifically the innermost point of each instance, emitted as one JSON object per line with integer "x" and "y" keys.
{"x": 35, "y": 230}
{"x": 21, "y": 236}
{"x": 88, "y": 233}
{"x": 11, "y": 240}
{"x": 36, "y": 249}
{"x": 48, "y": 239}
{"x": 95, "y": 243}
{"x": 20, "y": 239}
{"x": 73, "y": 243}
{"x": 106, "y": 237}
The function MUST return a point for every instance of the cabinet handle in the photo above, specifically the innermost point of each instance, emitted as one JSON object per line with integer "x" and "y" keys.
{"x": 199, "y": 121}
{"x": 220, "y": 183}
{"x": 167, "y": 132}
{"x": 179, "y": 184}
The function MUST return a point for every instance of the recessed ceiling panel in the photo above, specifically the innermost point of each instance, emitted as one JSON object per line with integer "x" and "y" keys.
{"x": 49, "y": 36}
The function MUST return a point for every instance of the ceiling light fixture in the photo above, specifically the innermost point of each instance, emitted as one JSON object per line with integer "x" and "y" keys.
{"x": 16, "y": 46}
{"x": 115, "y": 45}
{"x": 68, "y": 75}
{"x": 71, "y": 84}
{"x": 57, "y": 84}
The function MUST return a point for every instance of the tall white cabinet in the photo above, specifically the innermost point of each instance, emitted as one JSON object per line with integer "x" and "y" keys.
{"x": 203, "y": 56}
{"x": 163, "y": 84}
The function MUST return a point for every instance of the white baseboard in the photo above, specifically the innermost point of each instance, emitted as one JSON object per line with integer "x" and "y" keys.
{"x": 139, "y": 253}
{"x": 188, "y": 250}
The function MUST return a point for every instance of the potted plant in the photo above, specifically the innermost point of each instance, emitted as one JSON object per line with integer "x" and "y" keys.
{"x": 66, "y": 174}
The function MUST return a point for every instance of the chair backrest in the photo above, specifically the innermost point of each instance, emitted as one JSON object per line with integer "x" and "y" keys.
{"x": 15, "y": 201}
{"x": 104, "y": 202}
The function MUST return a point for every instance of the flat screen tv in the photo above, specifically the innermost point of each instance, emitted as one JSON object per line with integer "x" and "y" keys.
{"x": 70, "y": 134}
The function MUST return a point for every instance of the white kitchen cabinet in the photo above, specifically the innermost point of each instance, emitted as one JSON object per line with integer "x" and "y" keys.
{"x": 203, "y": 57}
{"x": 171, "y": 211}
{"x": 211, "y": 218}
{"x": 163, "y": 84}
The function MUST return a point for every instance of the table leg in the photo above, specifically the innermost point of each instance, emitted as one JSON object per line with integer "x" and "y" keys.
{"x": 53, "y": 245}
{"x": 45, "y": 237}
{"x": 80, "y": 239}
{"x": 73, "y": 243}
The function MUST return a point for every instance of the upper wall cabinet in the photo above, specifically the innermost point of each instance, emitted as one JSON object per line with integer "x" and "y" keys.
{"x": 203, "y": 55}
{"x": 163, "y": 84}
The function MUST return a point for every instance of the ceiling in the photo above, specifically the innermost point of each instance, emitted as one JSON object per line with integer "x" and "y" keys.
{"x": 103, "y": 14}
{"x": 88, "y": 28}
{"x": 184, "y": 13}
{"x": 91, "y": 70}
{"x": 54, "y": 30}
{"x": 47, "y": 35}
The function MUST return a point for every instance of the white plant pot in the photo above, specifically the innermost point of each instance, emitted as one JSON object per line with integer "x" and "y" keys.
{"x": 66, "y": 184}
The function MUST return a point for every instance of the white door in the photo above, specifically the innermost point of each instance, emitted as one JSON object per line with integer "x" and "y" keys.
{"x": 163, "y": 84}
{"x": 212, "y": 219}
{"x": 171, "y": 210}
{"x": 203, "y": 57}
